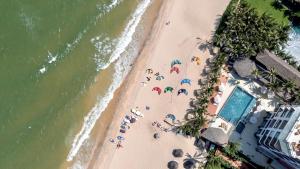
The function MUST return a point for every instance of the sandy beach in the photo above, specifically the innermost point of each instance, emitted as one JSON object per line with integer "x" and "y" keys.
{"x": 178, "y": 31}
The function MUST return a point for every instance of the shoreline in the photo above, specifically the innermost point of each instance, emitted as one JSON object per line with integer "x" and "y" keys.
{"x": 164, "y": 43}
{"x": 104, "y": 124}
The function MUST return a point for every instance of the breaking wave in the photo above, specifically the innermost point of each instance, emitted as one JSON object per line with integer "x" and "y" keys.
{"x": 103, "y": 9}
{"x": 122, "y": 67}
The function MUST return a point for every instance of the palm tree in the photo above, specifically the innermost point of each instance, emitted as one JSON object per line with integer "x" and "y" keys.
{"x": 232, "y": 150}
{"x": 289, "y": 86}
{"x": 273, "y": 86}
{"x": 271, "y": 75}
{"x": 297, "y": 96}
{"x": 255, "y": 73}
{"x": 191, "y": 160}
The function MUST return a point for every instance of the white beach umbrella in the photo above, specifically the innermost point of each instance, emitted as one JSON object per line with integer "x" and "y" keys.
{"x": 259, "y": 108}
{"x": 126, "y": 120}
{"x": 217, "y": 99}
{"x": 253, "y": 120}
{"x": 222, "y": 87}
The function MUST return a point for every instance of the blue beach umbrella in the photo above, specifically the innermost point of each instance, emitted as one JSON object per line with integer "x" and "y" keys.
{"x": 171, "y": 116}
{"x": 187, "y": 81}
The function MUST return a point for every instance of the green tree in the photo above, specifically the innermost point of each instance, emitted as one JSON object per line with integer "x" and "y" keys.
{"x": 232, "y": 150}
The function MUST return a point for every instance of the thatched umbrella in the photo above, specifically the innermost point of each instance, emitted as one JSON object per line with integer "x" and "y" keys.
{"x": 189, "y": 164}
{"x": 216, "y": 135}
{"x": 172, "y": 165}
{"x": 177, "y": 153}
{"x": 244, "y": 68}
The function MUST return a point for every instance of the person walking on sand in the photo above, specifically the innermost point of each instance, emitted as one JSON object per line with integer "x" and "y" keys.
{"x": 119, "y": 145}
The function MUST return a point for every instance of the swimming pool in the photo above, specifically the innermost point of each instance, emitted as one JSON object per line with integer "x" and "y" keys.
{"x": 238, "y": 104}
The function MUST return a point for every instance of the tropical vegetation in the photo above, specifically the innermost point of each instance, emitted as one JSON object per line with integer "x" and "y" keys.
{"x": 217, "y": 162}
{"x": 244, "y": 33}
{"x": 232, "y": 150}
{"x": 288, "y": 88}
{"x": 192, "y": 126}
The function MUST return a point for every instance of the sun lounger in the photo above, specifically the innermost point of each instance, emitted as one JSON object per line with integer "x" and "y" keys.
{"x": 169, "y": 121}
{"x": 136, "y": 112}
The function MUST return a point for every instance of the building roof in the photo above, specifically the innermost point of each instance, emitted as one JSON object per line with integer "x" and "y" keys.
{"x": 282, "y": 68}
{"x": 244, "y": 68}
{"x": 289, "y": 139}
{"x": 216, "y": 135}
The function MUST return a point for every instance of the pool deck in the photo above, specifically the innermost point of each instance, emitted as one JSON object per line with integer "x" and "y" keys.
{"x": 246, "y": 139}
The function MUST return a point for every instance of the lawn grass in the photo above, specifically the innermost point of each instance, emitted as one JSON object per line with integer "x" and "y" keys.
{"x": 265, "y": 6}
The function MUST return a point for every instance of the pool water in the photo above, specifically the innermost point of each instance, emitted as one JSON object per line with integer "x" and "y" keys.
{"x": 238, "y": 104}
{"x": 293, "y": 45}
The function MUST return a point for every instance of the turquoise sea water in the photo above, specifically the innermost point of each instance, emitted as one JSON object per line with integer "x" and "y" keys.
{"x": 50, "y": 55}
{"x": 238, "y": 104}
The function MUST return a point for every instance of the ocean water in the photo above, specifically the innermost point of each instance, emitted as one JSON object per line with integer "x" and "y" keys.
{"x": 293, "y": 46}
{"x": 51, "y": 53}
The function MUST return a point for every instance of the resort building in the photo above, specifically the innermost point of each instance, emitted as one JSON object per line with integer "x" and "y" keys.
{"x": 267, "y": 60}
{"x": 279, "y": 136}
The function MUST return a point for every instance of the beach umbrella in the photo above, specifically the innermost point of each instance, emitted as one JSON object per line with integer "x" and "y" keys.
{"x": 187, "y": 81}
{"x": 172, "y": 165}
{"x": 189, "y": 164}
{"x": 259, "y": 108}
{"x": 174, "y": 69}
{"x": 171, "y": 116}
{"x": 156, "y": 136}
{"x": 132, "y": 120}
{"x": 160, "y": 77}
{"x": 120, "y": 138}
{"x": 168, "y": 89}
{"x": 149, "y": 71}
{"x": 124, "y": 127}
{"x": 177, "y": 153}
{"x": 126, "y": 120}
{"x": 157, "y": 89}
{"x": 221, "y": 87}
{"x": 175, "y": 62}
{"x": 217, "y": 99}
{"x": 182, "y": 91}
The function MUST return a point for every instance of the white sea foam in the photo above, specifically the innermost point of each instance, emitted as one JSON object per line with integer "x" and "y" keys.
{"x": 127, "y": 34}
{"x": 42, "y": 70}
{"x": 70, "y": 46}
{"x": 51, "y": 58}
{"x": 104, "y": 47}
{"x": 121, "y": 70}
